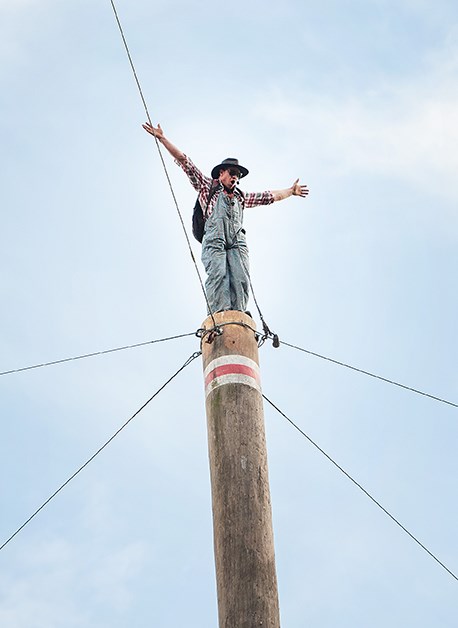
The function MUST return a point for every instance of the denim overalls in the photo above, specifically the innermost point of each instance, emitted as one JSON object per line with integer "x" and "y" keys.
{"x": 225, "y": 256}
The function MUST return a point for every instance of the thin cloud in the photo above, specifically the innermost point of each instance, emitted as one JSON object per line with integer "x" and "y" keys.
{"x": 408, "y": 131}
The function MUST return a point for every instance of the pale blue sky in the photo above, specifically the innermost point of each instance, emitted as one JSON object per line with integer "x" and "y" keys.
{"x": 360, "y": 100}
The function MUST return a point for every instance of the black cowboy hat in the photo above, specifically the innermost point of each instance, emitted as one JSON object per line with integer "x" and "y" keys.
{"x": 230, "y": 162}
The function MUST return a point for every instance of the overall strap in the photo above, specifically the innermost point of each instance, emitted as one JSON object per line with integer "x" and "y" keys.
{"x": 213, "y": 188}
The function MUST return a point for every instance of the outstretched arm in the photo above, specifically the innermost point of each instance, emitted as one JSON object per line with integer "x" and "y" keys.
{"x": 158, "y": 133}
{"x": 295, "y": 190}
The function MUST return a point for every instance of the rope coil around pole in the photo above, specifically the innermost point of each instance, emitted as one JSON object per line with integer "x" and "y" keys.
{"x": 209, "y": 334}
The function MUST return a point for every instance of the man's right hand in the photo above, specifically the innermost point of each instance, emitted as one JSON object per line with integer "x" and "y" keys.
{"x": 158, "y": 133}
{"x": 155, "y": 132}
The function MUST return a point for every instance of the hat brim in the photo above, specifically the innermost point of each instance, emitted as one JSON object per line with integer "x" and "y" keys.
{"x": 216, "y": 169}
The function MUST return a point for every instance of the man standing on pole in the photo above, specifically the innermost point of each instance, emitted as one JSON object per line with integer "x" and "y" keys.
{"x": 224, "y": 248}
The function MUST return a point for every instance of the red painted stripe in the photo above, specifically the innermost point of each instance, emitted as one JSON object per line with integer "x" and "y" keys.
{"x": 228, "y": 369}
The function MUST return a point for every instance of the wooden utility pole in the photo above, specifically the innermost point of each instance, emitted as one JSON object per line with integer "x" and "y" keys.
{"x": 242, "y": 519}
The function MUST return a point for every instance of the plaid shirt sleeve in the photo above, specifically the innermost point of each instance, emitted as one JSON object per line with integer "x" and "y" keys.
{"x": 252, "y": 199}
{"x": 198, "y": 180}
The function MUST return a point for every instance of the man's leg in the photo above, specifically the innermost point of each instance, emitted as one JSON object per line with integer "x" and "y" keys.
{"x": 215, "y": 264}
{"x": 238, "y": 269}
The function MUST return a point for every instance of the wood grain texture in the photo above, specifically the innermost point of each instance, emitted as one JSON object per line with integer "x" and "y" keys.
{"x": 242, "y": 519}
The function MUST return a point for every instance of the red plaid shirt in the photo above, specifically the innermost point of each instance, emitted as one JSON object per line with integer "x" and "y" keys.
{"x": 203, "y": 184}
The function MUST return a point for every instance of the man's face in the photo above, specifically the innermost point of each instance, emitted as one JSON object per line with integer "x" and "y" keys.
{"x": 230, "y": 177}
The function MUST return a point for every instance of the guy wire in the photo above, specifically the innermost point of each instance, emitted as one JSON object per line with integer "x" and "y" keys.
{"x": 83, "y": 466}
{"x": 129, "y": 56}
{"x": 383, "y": 379}
{"x": 414, "y": 538}
{"x": 93, "y": 354}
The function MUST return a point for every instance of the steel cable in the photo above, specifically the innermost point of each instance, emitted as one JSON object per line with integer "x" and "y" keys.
{"x": 377, "y": 503}
{"x": 383, "y": 379}
{"x": 95, "y": 353}
{"x": 129, "y": 56}
{"x": 83, "y": 466}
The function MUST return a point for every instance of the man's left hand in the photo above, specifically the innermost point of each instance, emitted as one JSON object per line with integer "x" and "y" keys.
{"x": 299, "y": 190}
